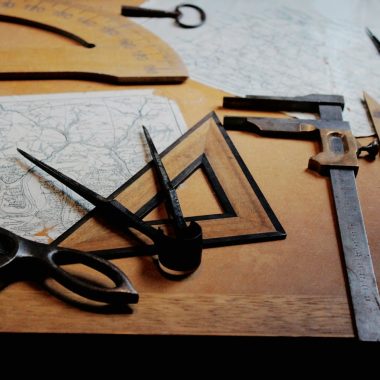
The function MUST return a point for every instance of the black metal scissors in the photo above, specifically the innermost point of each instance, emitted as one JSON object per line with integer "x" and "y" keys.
{"x": 178, "y": 256}
{"x": 17, "y": 253}
{"x": 177, "y": 14}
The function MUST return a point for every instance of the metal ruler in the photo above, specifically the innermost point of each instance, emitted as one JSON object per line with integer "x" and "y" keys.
{"x": 361, "y": 278}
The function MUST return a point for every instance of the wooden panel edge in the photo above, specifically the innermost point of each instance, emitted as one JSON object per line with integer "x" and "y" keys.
{"x": 189, "y": 314}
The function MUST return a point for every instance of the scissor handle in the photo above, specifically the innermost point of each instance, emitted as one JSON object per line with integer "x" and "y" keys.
{"x": 123, "y": 292}
{"x": 202, "y": 16}
{"x": 177, "y": 15}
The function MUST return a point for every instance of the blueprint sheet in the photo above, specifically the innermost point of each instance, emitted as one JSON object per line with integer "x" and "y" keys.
{"x": 282, "y": 48}
{"x": 95, "y": 138}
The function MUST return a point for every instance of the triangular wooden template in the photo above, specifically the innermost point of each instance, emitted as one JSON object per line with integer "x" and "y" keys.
{"x": 246, "y": 216}
{"x": 201, "y": 163}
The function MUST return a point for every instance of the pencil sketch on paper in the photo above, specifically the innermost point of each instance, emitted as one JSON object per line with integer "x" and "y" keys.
{"x": 95, "y": 138}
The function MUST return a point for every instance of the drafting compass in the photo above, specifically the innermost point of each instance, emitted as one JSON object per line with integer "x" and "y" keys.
{"x": 180, "y": 255}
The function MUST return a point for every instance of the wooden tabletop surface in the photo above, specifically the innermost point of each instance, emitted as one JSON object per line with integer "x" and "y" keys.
{"x": 292, "y": 287}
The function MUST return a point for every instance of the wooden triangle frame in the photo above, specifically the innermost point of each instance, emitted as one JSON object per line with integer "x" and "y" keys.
{"x": 202, "y": 163}
{"x": 246, "y": 218}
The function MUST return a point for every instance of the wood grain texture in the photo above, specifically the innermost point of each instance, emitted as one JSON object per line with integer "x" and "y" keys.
{"x": 294, "y": 287}
{"x": 123, "y": 51}
{"x": 184, "y": 313}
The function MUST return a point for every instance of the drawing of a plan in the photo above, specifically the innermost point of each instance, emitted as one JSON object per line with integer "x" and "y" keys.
{"x": 95, "y": 138}
{"x": 282, "y": 48}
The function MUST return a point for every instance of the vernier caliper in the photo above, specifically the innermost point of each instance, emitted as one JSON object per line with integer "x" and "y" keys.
{"x": 338, "y": 161}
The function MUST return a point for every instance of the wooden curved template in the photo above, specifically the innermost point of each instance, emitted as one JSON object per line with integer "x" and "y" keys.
{"x": 124, "y": 52}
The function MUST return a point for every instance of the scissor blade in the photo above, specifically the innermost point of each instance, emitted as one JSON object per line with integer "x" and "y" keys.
{"x": 374, "y": 111}
{"x": 83, "y": 191}
{"x": 173, "y": 205}
{"x": 159, "y": 166}
{"x": 114, "y": 211}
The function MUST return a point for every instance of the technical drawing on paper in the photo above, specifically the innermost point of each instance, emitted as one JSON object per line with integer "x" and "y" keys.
{"x": 95, "y": 138}
{"x": 282, "y": 48}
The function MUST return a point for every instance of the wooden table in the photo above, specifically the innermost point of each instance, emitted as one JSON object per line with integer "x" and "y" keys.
{"x": 293, "y": 287}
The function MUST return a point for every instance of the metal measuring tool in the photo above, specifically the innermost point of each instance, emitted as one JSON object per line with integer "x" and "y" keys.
{"x": 176, "y": 255}
{"x": 338, "y": 161}
{"x": 177, "y": 14}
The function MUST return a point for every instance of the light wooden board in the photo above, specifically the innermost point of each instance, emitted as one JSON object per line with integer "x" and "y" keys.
{"x": 124, "y": 52}
{"x": 293, "y": 287}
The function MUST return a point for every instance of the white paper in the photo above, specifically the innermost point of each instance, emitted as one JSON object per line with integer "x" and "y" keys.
{"x": 282, "y": 48}
{"x": 95, "y": 138}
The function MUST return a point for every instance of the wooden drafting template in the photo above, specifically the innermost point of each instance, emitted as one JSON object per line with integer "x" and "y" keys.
{"x": 81, "y": 43}
{"x": 245, "y": 216}
{"x": 374, "y": 112}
